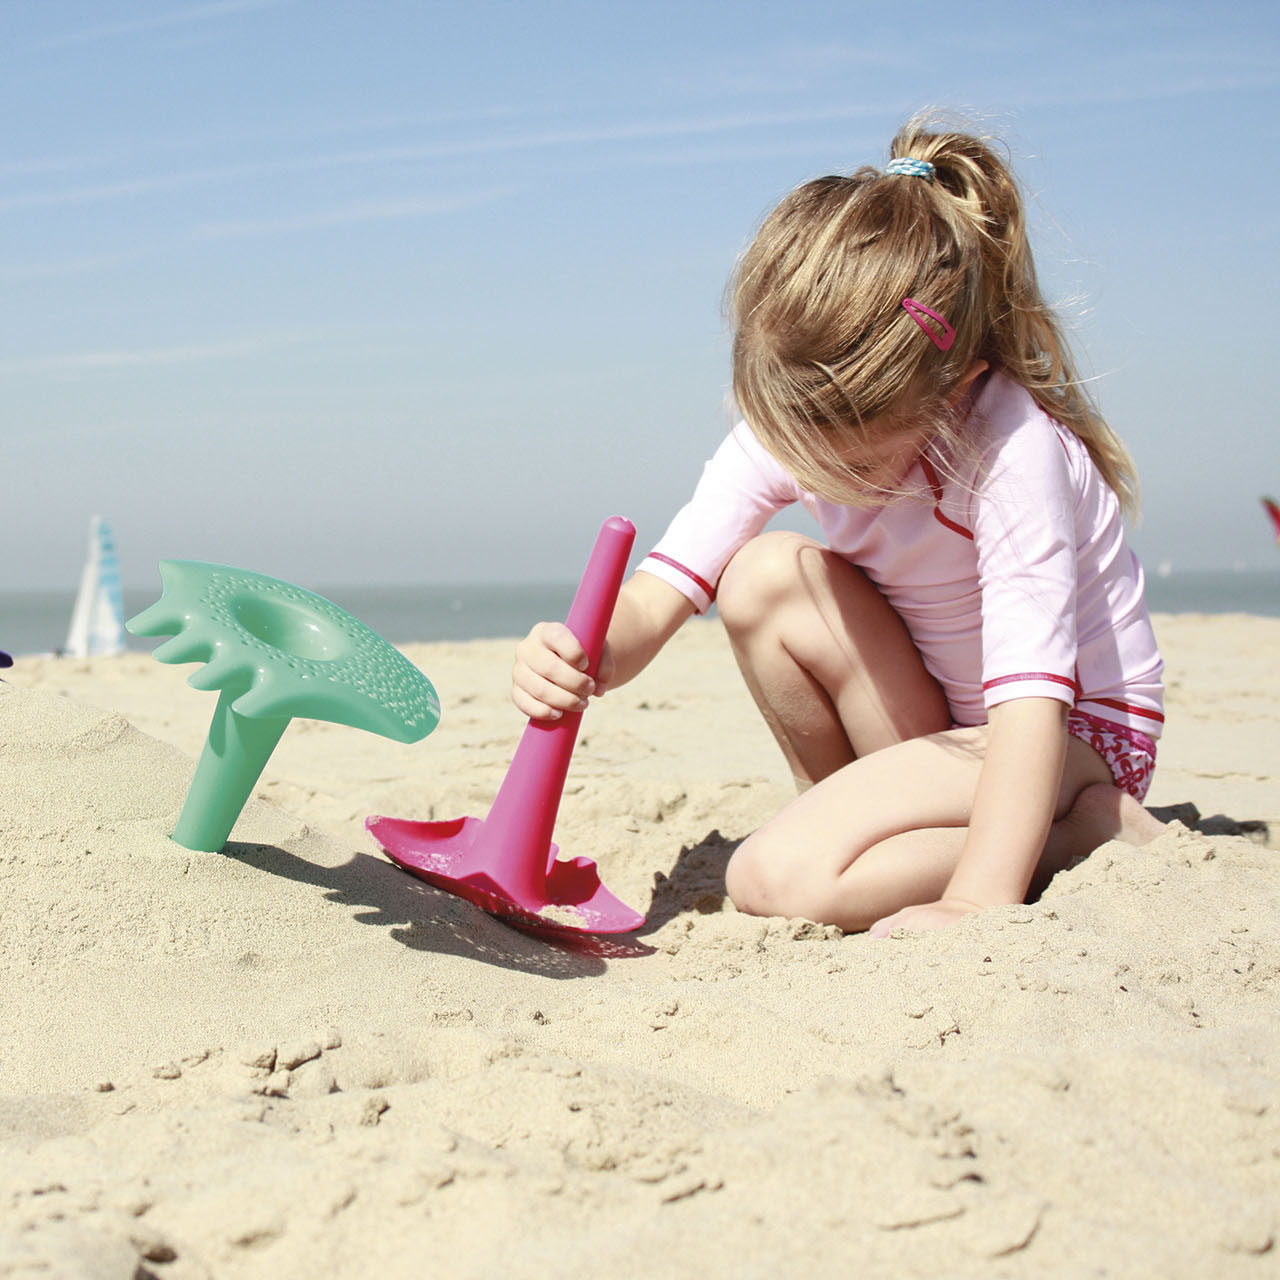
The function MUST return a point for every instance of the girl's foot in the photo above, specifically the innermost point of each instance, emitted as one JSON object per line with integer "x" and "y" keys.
{"x": 1103, "y": 812}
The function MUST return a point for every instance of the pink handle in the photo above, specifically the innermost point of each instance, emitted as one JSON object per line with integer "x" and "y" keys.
{"x": 592, "y": 606}
{"x": 518, "y": 829}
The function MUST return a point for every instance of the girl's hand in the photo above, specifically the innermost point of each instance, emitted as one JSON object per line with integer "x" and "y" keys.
{"x": 550, "y": 673}
{"x": 925, "y": 917}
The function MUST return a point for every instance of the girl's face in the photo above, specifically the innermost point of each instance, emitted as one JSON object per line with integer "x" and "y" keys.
{"x": 879, "y": 468}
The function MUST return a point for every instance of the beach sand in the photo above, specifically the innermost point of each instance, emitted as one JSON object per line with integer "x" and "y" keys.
{"x": 291, "y": 1059}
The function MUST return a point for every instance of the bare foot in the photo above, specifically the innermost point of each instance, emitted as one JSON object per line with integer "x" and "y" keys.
{"x": 1101, "y": 813}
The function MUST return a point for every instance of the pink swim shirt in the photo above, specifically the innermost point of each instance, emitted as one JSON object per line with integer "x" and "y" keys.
{"x": 1010, "y": 568}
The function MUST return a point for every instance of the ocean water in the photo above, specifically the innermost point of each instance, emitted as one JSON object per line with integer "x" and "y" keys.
{"x": 36, "y": 622}
{"x": 1216, "y": 591}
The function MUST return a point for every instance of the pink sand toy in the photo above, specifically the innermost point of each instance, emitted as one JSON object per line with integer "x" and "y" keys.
{"x": 507, "y": 864}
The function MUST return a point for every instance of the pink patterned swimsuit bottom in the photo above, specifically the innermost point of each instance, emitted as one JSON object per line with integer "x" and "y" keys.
{"x": 1129, "y": 753}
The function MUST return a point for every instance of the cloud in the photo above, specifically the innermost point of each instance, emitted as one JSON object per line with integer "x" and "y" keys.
{"x": 345, "y": 215}
{"x": 147, "y": 357}
{"x": 638, "y": 131}
{"x": 48, "y": 164}
{"x": 126, "y": 187}
{"x": 641, "y": 131}
{"x": 55, "y": 268}
{"x": 169, "y": 19}
{"x": 711, "y": 125}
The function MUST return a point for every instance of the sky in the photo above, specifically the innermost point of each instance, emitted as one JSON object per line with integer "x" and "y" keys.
{"x": 408, "y": 291}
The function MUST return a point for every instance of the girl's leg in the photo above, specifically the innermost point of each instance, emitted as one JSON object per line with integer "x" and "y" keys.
{"x": 830, "y": 665}
{"x": 838, "y": 680}
{"x": 887, "y": 831}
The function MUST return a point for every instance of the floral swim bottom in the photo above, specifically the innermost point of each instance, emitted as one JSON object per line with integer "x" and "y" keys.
{"x": 1129, "y": 753}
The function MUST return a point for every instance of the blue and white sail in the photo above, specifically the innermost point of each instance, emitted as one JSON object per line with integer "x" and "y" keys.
{"x": 97, "y": 621}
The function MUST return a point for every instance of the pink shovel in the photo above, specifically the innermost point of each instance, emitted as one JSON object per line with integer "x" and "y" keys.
{"x": 507, "y": 864}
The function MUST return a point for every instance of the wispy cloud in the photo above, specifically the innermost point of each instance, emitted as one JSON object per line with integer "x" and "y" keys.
{"x": 126, "y": 187}
{"x": 48, "y": 164}
{"x": 603, "y": 135}
{"x": 368, "y": 211}
{"x": 444, "y": 149}
{"x": 55, "y": 268}
{"x": 1121, "y": 93}
{"x": 148, "y": 357}
{"x": 191, "y": 15}
{"x": 619, "y": 134}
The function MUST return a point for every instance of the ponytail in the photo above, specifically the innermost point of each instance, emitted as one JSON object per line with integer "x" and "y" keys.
{"x": 824, "y": 345}
{"x": 1024, "y": 336}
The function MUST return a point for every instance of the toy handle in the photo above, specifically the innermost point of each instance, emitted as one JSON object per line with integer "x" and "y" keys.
{"x": 597, "y": 593}
{"x": 523, "y": 817}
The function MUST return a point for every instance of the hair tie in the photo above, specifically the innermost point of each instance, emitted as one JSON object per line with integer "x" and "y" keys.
{"x": 942, "y": 337}
{"x": 906, "y": 167}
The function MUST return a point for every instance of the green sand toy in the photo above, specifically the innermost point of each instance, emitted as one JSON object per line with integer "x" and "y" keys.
{"x": 274, "y": 651}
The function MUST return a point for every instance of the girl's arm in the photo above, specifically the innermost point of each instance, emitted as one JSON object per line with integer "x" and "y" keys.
{"x": 550, "y": 678}
{"x": 1013, "y": 810}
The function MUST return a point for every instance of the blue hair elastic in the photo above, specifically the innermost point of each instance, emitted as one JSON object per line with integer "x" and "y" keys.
{"x": 905, "y": 167}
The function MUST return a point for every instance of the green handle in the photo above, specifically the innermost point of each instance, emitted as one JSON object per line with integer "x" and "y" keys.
{"x": 235, "y": 753}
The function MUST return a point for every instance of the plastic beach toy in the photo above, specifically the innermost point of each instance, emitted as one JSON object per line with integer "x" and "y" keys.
{"x": 507, "y": 864}
{"x": 274, "y": 651}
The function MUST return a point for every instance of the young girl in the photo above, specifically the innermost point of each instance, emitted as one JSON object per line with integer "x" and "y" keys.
{"x": 964, "y": 679}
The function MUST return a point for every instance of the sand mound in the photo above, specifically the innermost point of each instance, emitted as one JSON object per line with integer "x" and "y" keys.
{"x": 291, "y": 1056}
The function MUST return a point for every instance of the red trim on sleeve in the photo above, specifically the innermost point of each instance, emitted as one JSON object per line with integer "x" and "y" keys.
{"x": 1127, "y": 707}
{"x": 688, "y": 573}
{"x": 931, "y": 478}
{"x": 1034, "y": 675}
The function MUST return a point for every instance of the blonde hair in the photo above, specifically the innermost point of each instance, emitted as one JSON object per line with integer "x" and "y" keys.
{"x": 826, "y": 357}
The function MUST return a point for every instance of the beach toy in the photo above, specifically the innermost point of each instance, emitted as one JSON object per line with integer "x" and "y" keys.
{"x": 507, "y": 864}
{"x": 274, "y": 651}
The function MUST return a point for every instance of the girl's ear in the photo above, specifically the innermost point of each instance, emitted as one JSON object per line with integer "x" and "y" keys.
{"x": 967, "y": 378}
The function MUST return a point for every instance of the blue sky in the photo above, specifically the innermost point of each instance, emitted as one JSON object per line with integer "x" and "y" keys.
{"x": 399, "y": 292}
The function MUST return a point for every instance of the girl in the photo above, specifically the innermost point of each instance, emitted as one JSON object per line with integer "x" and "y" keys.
{"x": 964, "y": 679}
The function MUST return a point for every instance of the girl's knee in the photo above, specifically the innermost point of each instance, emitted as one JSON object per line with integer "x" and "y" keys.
{"x": 760, "y": 576}
{"x": 765, "y": 878}
{"x": 762, "y": 885}
{"x": 761, "y": 881}
{"x": 747, "y": 881}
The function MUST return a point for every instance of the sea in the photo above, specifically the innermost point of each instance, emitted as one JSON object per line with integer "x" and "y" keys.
{"x": 35, "y": 622}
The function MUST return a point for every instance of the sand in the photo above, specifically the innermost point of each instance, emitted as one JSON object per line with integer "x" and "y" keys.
{"x": 290, "y": 1059}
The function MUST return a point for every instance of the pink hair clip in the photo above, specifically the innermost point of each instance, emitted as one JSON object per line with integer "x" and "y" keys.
{"x": 922, "y": 315}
